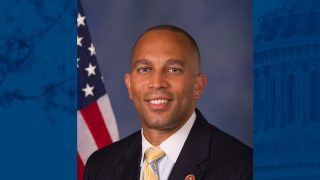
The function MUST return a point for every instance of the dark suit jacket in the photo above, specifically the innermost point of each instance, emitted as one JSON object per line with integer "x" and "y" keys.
{"x": 208, "y": 153}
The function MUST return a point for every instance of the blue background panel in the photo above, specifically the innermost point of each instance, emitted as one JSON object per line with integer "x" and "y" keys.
{"x": 38, "y": 89}
{"x": 286, "y": 89}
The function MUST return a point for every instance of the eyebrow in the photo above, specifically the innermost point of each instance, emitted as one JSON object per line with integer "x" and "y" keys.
{"x": 176, "y": 61}
{"x": 169, "y": 62}
{"x": 142, "y": 62}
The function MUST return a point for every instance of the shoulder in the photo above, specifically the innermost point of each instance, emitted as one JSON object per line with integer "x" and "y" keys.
{"x": 107, "y": 157}
{"x": 230, "y": 155}
{"x": 114, "y": 148}
{"x": 228, "y": 144}
{"x": 220, "y": 139}
{"x": 227, "y": 154}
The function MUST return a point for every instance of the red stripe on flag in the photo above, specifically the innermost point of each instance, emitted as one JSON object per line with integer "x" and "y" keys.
{"x": 80, "y": 167}
{"x": 93, "y": 117}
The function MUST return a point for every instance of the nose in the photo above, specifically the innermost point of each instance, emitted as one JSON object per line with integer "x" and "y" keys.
{"x": 158, "y": 80}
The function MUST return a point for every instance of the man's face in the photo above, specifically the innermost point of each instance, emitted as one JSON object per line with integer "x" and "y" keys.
{"x": 164, "y": 82}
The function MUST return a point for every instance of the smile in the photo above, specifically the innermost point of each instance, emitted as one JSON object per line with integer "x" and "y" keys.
{"x": 158, "y": 101}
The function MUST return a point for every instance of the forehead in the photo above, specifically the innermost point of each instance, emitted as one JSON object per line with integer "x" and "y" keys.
{"x": 159, "y": 35}
{"x": 162, "y": 42}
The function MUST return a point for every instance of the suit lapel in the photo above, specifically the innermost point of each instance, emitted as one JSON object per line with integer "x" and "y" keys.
{"x": 130, "y": 167}
{"x": 195, "y": 152}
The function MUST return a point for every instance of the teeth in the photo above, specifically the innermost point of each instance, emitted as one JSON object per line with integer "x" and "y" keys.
{"x": 158, "y": 101}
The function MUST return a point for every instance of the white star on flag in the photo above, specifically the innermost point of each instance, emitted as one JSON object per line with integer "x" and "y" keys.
{"x": 79, "y": 39}
{"x": 80, "y": 20}
{"x": 88, "y": 90}
{"x": 91, "y": 70}
{"x": 92, "y": 50}
{"x": 78, "y": 59}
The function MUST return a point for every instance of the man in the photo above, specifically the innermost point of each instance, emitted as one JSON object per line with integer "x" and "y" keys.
{"x": 175, "y": 142}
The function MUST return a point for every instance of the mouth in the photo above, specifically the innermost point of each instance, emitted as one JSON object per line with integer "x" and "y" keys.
{"x": 158, "y": 104}
{"x": 157, "y": 101}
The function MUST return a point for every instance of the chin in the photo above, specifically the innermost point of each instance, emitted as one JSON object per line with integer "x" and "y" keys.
{"x": 160, "y": 124}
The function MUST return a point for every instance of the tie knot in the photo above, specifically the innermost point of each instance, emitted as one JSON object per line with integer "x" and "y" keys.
{"x": 153, "y": 153}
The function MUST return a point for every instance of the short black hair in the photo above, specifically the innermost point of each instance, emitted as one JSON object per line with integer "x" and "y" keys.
{"x": 175, "y": 29}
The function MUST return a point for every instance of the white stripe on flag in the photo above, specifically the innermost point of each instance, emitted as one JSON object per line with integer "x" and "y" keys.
{"x": 85, "y": 143}
{"x": 108, "y": 117}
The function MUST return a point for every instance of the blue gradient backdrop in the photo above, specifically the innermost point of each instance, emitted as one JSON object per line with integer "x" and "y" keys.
{"x": 223, "y": 31}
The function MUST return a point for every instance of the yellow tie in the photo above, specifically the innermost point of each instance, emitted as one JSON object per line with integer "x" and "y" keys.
{"x": 150, "y": 171}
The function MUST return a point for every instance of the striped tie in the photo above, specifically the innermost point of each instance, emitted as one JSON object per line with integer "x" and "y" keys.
{"x": 150, "y": 171}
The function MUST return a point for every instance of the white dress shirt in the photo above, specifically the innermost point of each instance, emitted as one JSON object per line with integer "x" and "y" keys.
{"x": 171, "y": 146}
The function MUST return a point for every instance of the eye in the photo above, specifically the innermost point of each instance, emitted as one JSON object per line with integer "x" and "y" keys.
{"x": 144, "y": 69}
{"x": 174, "y": 70}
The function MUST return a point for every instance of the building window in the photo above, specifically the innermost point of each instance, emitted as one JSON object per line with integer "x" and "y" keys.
{"x": 314, "y": 96}
{"x": 272, "y": 117}
{"x": 258, "y": 114}
{"x": 290, "y": 99}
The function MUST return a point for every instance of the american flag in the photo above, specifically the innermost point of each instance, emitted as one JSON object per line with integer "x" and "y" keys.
{"x": 96, "y": 124}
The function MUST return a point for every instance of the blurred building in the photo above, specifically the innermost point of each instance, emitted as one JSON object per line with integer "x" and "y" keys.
{"x": 287, "y": 92}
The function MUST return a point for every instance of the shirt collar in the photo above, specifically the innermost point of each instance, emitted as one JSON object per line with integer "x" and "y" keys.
{"x": 172, "y": 146}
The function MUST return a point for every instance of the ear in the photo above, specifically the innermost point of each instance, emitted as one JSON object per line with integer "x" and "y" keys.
{"x": 127, "y": 81}
{"x": 201, "y": 82}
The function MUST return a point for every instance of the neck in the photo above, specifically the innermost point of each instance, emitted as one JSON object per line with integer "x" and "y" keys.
{"x": 156, "y": 137}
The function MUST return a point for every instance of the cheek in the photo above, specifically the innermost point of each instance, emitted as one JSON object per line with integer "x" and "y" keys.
{"x": 187, "y": 92}
{"x": 137, "y": 88}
